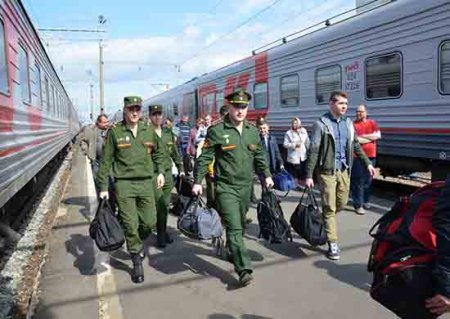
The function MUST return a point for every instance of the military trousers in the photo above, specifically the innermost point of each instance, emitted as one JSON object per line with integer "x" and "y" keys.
{"x": 162, "y": 199}
{"x": 210, "y": 191}
{"x": 232, "y": 204}
{"x": 137, "y": 211}
{"x": 334, "y": 190}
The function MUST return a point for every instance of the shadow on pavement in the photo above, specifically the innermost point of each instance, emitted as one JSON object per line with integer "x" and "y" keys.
{"x": 244, "y": 316}
{"x": 82, "y": 248}
{"x": 355, "y": 275}
{"x": 289, "y": 249}
{"x": 183, "y": 255}
{"x": 46, "y": 313}
{"x": 80, "y": 201}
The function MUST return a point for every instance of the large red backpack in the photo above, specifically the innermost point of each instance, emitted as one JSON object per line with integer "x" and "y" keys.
{"x": 403, "y": 252}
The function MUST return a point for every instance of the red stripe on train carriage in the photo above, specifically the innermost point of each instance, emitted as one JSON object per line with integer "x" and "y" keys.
{"x": 415, "y": 130}
{"x": 422, "y": 131}
{"x": 16, "y": 149}
{"x": 261, "y": 68}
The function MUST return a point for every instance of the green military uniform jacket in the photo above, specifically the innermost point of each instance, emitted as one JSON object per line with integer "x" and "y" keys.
{"x": 237, "y": 156}
{"x": 130, "y": 157}
{"x": 170, "y": 150}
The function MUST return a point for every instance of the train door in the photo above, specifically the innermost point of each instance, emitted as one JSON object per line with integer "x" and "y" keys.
{"x": 190, "y": 106}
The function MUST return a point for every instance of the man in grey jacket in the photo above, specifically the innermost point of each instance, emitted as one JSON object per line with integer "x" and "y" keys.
{"x": 92, "y": 141}
{"x": 330, "y": 155}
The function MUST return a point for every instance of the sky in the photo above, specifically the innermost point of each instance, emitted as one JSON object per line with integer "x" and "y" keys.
{"x": 150, "y": 46}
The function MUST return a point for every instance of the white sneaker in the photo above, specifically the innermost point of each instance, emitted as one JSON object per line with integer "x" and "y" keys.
{"x": 333, "y": 251}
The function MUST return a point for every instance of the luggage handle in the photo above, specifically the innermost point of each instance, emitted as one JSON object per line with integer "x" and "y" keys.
{"x": 103, "y": 202}
{"x": 271, "y": 191}
{"x": 311, "y": 197}
{"x": 181, "y": 182}
{"x": 198, "y": 202}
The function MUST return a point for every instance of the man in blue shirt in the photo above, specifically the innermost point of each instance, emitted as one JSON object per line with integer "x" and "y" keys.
{"x": 330, "y": 154}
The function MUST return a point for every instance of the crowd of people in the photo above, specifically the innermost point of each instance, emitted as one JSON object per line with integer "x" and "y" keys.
{"x": 133, "y": 161}
{"x": 333, "y": 150}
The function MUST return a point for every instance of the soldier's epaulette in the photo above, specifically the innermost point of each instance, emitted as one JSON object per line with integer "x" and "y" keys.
{"x": 117, "y": 124}
{"x": 218, "y": 121}
{"x": 145, "y": 123}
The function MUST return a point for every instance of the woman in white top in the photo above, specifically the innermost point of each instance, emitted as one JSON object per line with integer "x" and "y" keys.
{"x": 296, "y": 141}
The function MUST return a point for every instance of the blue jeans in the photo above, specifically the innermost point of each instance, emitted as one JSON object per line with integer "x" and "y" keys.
{"x": 361, "y": 182}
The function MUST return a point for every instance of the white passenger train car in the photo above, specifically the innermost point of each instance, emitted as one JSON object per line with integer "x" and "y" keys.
{"x": 394, "y": 58}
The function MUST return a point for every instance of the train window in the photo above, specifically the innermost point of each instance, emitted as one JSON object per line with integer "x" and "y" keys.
{"x": 260, "y": 95}
{"x": 47, "y": 95}
{"x": 60, "y": 106}
{"x": 219, "y": 99}
{"x": 444, "y": 68}
{"x": 175, "y": 109}
{"x": 24, "y": 75}
{"x": 36, "y": 86}
{"x": 384, "y": 76}
{"x": 54, "y": 107}
{"x": 289, "y": 90}
{"x": 4, "y": 87}
{"x": 328, "y": 79}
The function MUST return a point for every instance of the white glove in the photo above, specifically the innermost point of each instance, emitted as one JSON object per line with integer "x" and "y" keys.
{"x": 269, "y": 182}
{"x": 160, "y": 181}
{"x": 104, "y": 194}
{"x": 197, "y": 189}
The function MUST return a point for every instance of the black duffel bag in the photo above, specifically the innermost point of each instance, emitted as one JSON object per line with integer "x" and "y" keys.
{"x": 184, "y": 185}
{"x": 307, "y": 220}
{"x": 105, "y": 229}
{"x": 180, "y": 205}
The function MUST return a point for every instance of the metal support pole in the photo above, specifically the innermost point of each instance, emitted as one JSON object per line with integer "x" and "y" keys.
{"x": 91, "y": 92}
{"x": 102, "y": 98}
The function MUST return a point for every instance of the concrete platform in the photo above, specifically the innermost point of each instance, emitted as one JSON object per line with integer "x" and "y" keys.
{"x": 186, "y": 280}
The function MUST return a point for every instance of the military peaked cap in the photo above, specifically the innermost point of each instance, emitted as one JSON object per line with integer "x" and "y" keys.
{"x": 260, "y": 121}
{"x": 132, "y": 101}
{"x": 239, "y": 96}
{"x": 155, "y": 108}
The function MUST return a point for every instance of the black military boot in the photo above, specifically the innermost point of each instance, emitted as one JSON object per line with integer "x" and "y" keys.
{"x": 161, "y": 240}
{"x": 245, "y": 277}
{"x": 137, "y": 274}
{"x": 169, "y": 238}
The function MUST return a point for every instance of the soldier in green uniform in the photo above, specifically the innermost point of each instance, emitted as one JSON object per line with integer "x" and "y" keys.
{"x": 162, "y": 195}
{"x": 236, "y": 146}
{"x": 135, "y": 153}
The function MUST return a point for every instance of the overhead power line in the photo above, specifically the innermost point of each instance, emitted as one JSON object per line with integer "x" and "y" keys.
{"x": 324, "y": 23}
{"x": 251, "y": 18}
{"x": 71, "y": 30}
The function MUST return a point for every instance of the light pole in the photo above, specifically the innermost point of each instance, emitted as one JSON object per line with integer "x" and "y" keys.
{"x": 91, "y": 91}
{"x": 101, "y": 21}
